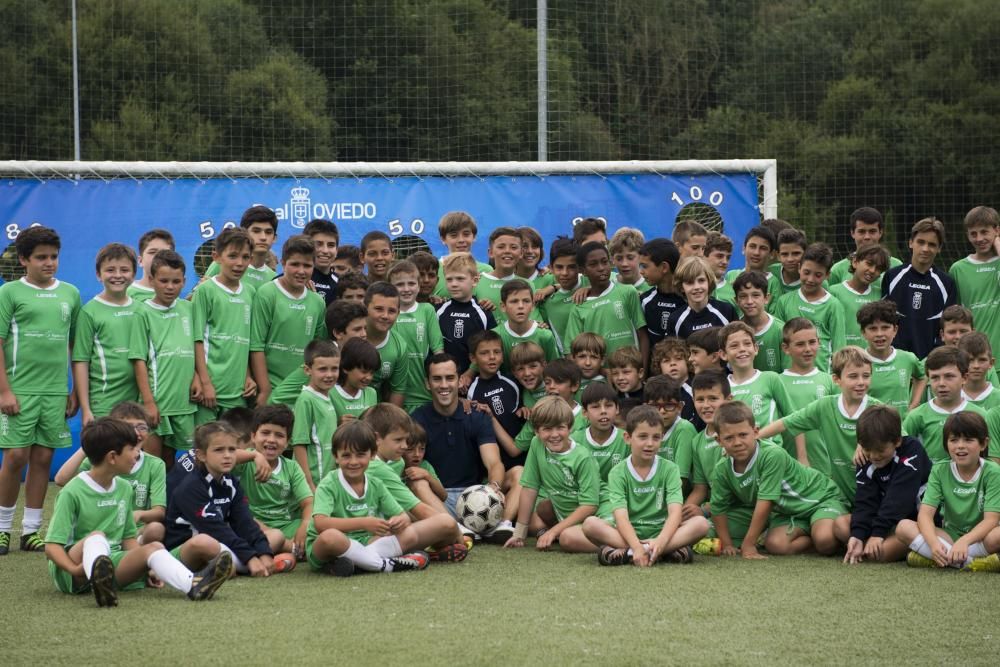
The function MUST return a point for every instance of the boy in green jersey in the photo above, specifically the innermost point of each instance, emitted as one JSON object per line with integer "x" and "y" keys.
{"x": 531, "y": 256}
{"x": 377, "y": 254}
{"x": 286, "y": 316}
{"x": 353, "y": 393}
{"x": 161, "y": 348}
{"x": 667, "y": 395}
{"x": 804, "y": 384}
{"x": 602, "y": 437}
{"x": 261, "y": 223}
{"x": 625, "y": 372}
{"x": 148, "y": 477}
{"x": 861, "y": 288}
{"x": 977, "y": 388}
{"x": 866, "y": 228}
{"x": 527, "y": 361}
{"x": 965, "y": 489}
{"x": 517, "y": 325}
{"x": 91, "y": 544}
{"x": 458, "y": 231}
{"x": 38, "y": 315}
{"x": 611, "y": 309}
{"x": 102, "y": 374}
{"x": 796, "y": 508}
{"x": 791, "y": 247}
{"x": 558, "y": 299}
{"x": 710, "y": 390}
{"x": 419, "y": 474}
{"x": 351, "y": 287}
{"x": 718, "y": 252}
{"x": 588, "y": 351}
{"x": 420, "y": 333}
{"x": 644, "y": 496}
{"x": 897, "y": 375}
{"x": 222, "y": 308}
{"x": 567, "y": 475}
{"x": 752, "y": 298}
{"x": 356, "y": 523}
{"x": 315, "y": 414}
{"x": 282, "y": 503}
{"x": 703, "y": 352}
{"x": 624, "y": 247}
{"x": 505, "y": 252}
{"x": 947, "y": 369}
{"x": 835, "y": 417}
{"x": 560, "y": 378}
{"x": 758, "y": 245}
{"x": 814, "y": 303}
{"x": 763, "y": 391}
{"x": 976, "y": 277}
{"x": 689, "y": 237}
{"x": 427, "y": 268}
{"x": 150, "y": 243}
{"x": 956, "y": 321}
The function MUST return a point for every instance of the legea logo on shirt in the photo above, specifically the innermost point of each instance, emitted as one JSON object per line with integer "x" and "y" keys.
{"x": 619, "y": 309}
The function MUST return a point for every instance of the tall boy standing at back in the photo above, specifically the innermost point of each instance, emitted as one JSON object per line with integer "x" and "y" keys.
{"x": 261, "y": 224}
{"x": 325, "y": 237}
{"x": 37, "y": 321}
{"x": 457, "y": 230}
{"x": 658, "y": 260}
{"x": 866, "y": 230}
{"x": 976, "y": 277}
{"x": 150, "y": 243}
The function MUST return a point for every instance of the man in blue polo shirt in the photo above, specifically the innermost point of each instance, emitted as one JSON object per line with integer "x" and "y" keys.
{"x": 461, "y": 446}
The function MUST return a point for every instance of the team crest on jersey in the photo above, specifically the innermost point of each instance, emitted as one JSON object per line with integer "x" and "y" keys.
{"x": 4, "y": 424}
{"x": 310, "y": 319}
{"x": 904, "y": 379}
{"x": 918, "y": 300}
{"x": 757, "y": 403}
{"x": 772, "y": 358}
{"x": 64, "y": 311}
{"x": 421, "y": 327}
{"x": 820, "y": 391}
{"x": 459, "y": 329}
{"x": 186, "y": 325}
{"x": 122, "y": 512}
{"x": 664, "y": 316}
{"x": 659, "y": 498}
{"x": 619, "y": 309}
{"x": 141, "y": 493}
{"x": 497, "y": 404}
{"x": 386, "y": 370}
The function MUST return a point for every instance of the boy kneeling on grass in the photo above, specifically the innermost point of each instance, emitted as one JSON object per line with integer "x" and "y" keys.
{"x": 799, "y": 508}
{"x": 91, "y": 543}
{"x": 356, "y": 523}
{"x": 645, "y": 496}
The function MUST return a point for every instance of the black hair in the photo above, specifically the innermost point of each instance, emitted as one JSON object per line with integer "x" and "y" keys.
{"x": 259, "y": 213}
{"x": 166, "y": 258}
{"x": 321, "y": 226}
{"x": 105, "y": 435}
{"x": 563, "y": 246}
{"x": 340, "y": 314}
{"x": 32, "y": 237}
{"x": 661, "y": 250}
{"x": 277, "y": 414}
{"x": 586, "y": 249}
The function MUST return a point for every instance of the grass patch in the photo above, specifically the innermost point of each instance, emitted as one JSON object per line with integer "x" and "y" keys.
{"x": 522, "y": 607}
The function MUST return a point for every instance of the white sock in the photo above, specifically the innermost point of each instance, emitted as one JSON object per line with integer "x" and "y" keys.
{"x": 630, "y": 552}
{"x": 93, "y": 547}
{"x": 386, "y": 547}
{"x": 364, "y": 557}
{"x": 238, "y": 565}
{"x": 31, "y": 521}
{"x": 169, "y": 570}
{"x": 6, "y": 519}
{"x": 920, "y": 546}
{"x": 977, "y": 550}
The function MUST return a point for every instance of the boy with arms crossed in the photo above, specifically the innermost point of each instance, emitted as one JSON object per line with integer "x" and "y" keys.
{"x": 38, "y": 316}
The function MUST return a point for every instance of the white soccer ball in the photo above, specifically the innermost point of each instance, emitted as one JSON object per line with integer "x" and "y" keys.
{"x": 479, "y": 508}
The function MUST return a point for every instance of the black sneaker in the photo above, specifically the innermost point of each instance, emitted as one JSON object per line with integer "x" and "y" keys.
{"x": 611, "y": 556}
{"x": 339, "y": 567}
{"x": 681, "y": 556}
{"x": 503, "y": 532}
{"x": 416, "y": 560}
{"x": 208, "y": 579}
{"x": 32, "y": 542}
{"x": 4, "y": 543}
{"x": 102, "y": 582}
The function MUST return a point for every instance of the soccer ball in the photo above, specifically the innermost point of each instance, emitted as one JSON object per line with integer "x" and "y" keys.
{"x": 479, "y": 508}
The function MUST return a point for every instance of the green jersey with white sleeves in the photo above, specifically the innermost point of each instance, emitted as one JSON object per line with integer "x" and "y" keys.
{"x": 391, "y": 352}
{"x": 781, "y": 287}
{"x": 724, "y": 292}
{"x": 853, "y": 301}
{"x": 355, "y": 405}
{"x": 148, "y": 479}
{"x": 101, "y": 340}
{"x": 927, "y": 423}
{"x": 37, "y": 325}
{"x": 315, "y": 422}
{"x": 254, "y": 277}
{"x": 84, "y": 506}
{"x": 826, "y": 313}
{"x": 335, "y": 498}
{"x": 418, "y": 330}
{"x": 164, "y": 338}
{"x": 616, "y": 314}
{"x": 962, "y": 503}
{"x": 524, "y": 439}
{"x": 488, "y": 288}
{"x": 978, "y": 284}
{"x": 222, "y": 325}
{"x": 535, "y": 334}
{"x": 770, "y": 356}
{"x": 279, "y": 499}
{"x": 539, "y": 280}
{"x": 282, "y": 325}
{"x": 569, "y": 479}
{"x": 765, "y": 394}
{"x": 892, "y": 378}
{"x": 803, "y": 389}
{"x": 646, "y": 498}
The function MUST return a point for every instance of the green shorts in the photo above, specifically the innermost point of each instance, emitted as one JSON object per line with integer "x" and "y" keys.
{"x": 739, "y": 524}
{"x": 204, "y": 415}
{"x": 41, "y": 421}
{"x": 827, "y": 509}
{"x": 287, "y": 528}
{"x": 177, "y": 431}
{"x": 64, "y": 580}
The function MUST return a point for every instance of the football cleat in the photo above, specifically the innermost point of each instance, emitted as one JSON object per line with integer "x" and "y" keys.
{"x": 989, "y": 563}
{"x": 913, "y": 559}
{"x": 4, "y": 543}
{"x": 208, "y": 579}
{"x": 499, "y": 535}
{"x": 453, "y": 553}
{"x": 681, "y": 556}
{"x": 284, "y": 563}
{"x": 339, "y": 567}
{"x": 708, "y": 546}
{"x": 415, "y": 560}
{"x": 102, "y": 582}
{"x": 32, "y": 542}
{"x": 611, "y": 556}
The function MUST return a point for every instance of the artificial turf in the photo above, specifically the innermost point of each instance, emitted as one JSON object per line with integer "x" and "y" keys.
{"x": 522, "y": 607}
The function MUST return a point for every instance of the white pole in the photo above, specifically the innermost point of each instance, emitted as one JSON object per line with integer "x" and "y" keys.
{"x": 76, "y": 89}
{"x": 542, "y": 19}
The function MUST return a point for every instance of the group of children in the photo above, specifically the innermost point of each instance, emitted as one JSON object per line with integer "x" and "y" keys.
{"x": 648, "y": 402}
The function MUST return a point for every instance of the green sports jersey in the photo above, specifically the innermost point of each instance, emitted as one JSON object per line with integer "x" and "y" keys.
{"x": 772, "y": 284}
{"x": 253, "y": 277}
{"x": 279, "y": 499}
{"x": 892, "y": 379}
{"x": 527, "y": 435}
{"x": 441, "y": 289}
{"x": 222, "y": 325}
{"x": 639, "y": 287}
{"x": 615, "y": 314}
{"x": 773, "y": 475}
{"x": 393, "y": 483}
{"x": 556, "y": 311}
{"x": 986, "y": 401}
{"x": 289, "y": 389}
{"x": 391, "y": 352}
{"x": 569, "y": 479}
{"x": 962, "y": 503}
{"x": 676, "y": 442}
{"x": 705, "y": 453}
{"x": 429, "y": 468}
{"x": 37, "y": 325}
{"x": 978, "y": 285}
{"x": 781, "y": 287}
{"x": 765, "y": 393}
{"x": 420, "y": 334}
{"x": 826, "y": 313}
{"x": 770, "y": 356}
{"x": 531, "y": 396}
{"x": 838, "y": 429}
{"x": 841, "y": 270}
{"x": 164, "y": 338}
{"x": 488, "y": 288}
{"x": 724, "y": 292}
{"x": 645, "y": 498}
{"x": 608, "y": 454}
{"x": 853, "y": 301}
{"x": 802, "y": 390}
{"x": 315, "y": 422}
{"x": 84, "y": 506}
{"x": 148, "y": 479}
{"x": 140, "y": 293}
{"x": 927, "y": 423}
{"x": 535, "y": 334}
{"x": 539, "y": 280}
{"x": 282, "y": 325}
{"x": 101, "y": 340}
{"x": 355, "y": 405}
{"x": 335, "y": 498}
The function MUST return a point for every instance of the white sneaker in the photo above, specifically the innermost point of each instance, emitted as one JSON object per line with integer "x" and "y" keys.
{"x": 499, "y": 535}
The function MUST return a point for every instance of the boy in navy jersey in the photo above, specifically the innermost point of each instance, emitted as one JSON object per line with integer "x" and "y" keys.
{"x": 657, "y": 262}
{"x": 461, "y": 317}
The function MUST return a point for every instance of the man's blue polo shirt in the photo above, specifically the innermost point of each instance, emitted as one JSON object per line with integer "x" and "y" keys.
{"x": 453, "y": 444}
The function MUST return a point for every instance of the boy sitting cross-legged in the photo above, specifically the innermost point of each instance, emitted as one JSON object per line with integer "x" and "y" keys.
{"x": 91, "y": 542}
{"x": 794, "y": 507}
{"x": 356, "y": 523}
{"x": 644, "y": 495}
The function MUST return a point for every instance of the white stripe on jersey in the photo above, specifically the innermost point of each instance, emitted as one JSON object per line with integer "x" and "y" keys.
{"x": 717, "y": 314}
{"x": 899, "y": 276}
{"x": 680, "y": 320}
{"x": 517, "y": 392}
{"x": 937, "y": 279}
{"x": 479, "y": 311}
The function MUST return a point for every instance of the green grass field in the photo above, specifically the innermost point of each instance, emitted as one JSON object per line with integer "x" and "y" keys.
{"x": 523, "y": 607}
